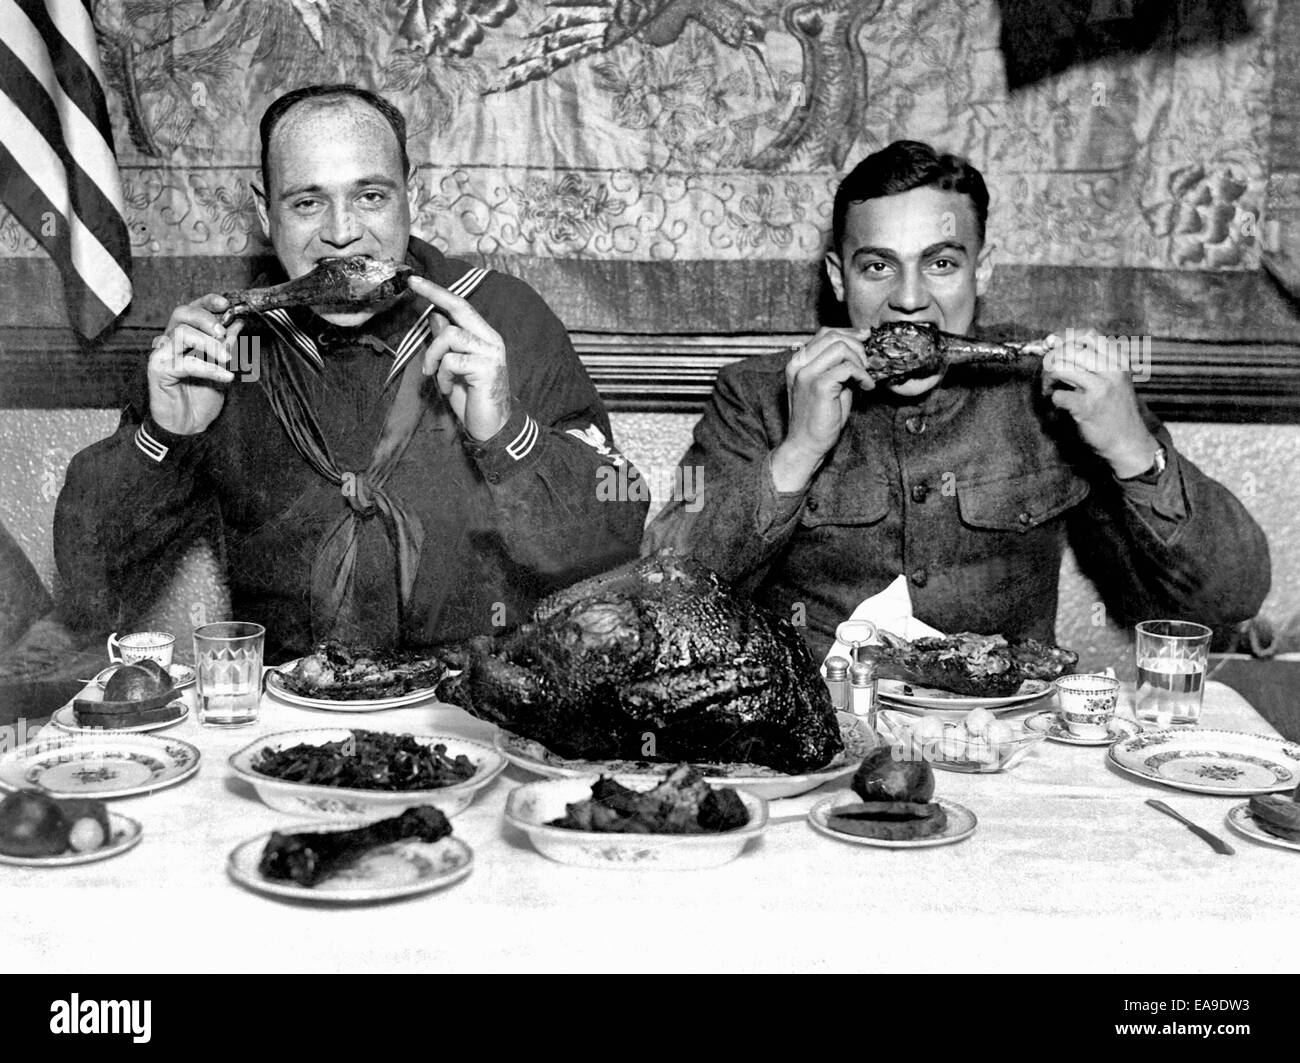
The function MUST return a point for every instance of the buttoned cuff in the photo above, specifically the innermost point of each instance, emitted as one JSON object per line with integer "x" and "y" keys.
{"x": 776, "y": 510}
{"x": 511, "y": 449}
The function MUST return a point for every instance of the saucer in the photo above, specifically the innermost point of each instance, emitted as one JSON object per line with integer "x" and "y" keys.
{"x": 1050, "y": 724}
{"x": 182, "y": 675}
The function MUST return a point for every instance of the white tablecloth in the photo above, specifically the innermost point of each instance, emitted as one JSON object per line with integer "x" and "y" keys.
{"x": 1068, "y": 870}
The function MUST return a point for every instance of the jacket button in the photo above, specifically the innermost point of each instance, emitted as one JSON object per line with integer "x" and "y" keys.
{"x": 919, "y": 492}
{"x": 1025, "y": 519}
{"x": 812, "y": 505}
{"x": 915, "y": 425}
{"x": 920, "y": 576}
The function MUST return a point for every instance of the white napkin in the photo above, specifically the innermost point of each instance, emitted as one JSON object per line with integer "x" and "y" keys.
{"x": 890, "y": 610}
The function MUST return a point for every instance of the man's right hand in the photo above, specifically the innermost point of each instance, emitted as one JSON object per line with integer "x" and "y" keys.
{"x": 188, "y": 369}
{"x": 820, "y": 380}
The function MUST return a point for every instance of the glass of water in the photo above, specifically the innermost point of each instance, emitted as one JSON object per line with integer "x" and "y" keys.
{"x": 1171, "y": 660}
{"x": 228, "y": 665}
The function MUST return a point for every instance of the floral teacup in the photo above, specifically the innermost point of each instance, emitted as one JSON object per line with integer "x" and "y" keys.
{"x": 1087, "y": 703}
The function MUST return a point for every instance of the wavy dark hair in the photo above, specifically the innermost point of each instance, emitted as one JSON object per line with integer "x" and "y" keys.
{"x": 901, "y": 167}
{"x": 280, "y": 107}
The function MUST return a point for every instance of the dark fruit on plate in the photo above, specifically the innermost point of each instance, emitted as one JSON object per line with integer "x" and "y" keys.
{"x": 156, "y": 670}
{"x": 32, "y": 824}
{"x": 134, "y": 682}
{"x": 882, "y": 778}
{"x": 1277, "y": 815}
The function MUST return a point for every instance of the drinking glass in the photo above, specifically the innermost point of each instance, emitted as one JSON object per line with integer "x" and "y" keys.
{"x": 1171, "y": 660}
{"x": 228, "y": 665}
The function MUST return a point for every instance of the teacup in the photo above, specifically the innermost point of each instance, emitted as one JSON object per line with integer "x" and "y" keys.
{"x": 138, "y": 645}
{"x": 1087, "y": 703}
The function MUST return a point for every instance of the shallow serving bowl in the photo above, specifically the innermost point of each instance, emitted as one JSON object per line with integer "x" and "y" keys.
{"x": 952, "y": 755}
{"x": 285, "y": 796}
{"x": 532, "y": 806}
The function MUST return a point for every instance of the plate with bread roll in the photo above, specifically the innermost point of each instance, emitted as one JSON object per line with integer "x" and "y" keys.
{"x": 891, "y": 803}
{"x": 1271, "y": 819}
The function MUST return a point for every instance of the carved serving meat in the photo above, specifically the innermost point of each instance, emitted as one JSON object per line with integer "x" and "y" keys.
{"x": 657, "y": 660}
{"x": 336, "y": 672}
{"x": 988, "y": 666}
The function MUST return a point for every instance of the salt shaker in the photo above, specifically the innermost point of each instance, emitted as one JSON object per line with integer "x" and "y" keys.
{"x": 862, "y": 690}
{"x": 837, "y": 682}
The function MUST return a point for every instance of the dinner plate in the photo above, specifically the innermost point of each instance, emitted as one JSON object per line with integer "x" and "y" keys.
{"x": 1049, "y": 723}
{"x": 961, "y": 824}
{"x": 906, "y": 695}
{"x": 767, "y": 783}
{"x": 126, "y": 835}
{"x": 276, "y": 686}
{"x": 1240, "y": 820}
{"x": 399, "y": 869}
{"x": 66, "y": 720}
{"x": 532, "y": 807}
{"x": 1208, "y": 761}
{"x": 285, "y": 795}
{"x": 182, "y": 675}
{"x": 100, "y": 764}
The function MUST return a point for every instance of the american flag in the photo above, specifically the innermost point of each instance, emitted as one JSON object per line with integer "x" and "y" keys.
{"x": 58, "y": 174}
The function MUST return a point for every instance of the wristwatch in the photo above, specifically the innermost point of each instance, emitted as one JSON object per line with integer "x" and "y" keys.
{"x": 1152, "y": 475}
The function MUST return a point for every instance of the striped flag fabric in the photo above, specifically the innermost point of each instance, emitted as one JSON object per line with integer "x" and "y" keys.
{"x": 58, "y": 174}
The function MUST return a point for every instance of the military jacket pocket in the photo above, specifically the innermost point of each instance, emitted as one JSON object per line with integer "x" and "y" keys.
{"x": 1020, "y": 502}
{"x": 845, "y": 496}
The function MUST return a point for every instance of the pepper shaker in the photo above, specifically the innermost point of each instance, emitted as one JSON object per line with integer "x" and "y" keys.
{"x": 837, "y": 682}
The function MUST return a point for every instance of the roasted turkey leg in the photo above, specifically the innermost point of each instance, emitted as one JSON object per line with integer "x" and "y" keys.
{"x": 351, "y": 283}
{"x": 898, "y": 350}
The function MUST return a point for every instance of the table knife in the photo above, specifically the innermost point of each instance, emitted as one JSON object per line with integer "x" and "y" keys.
{"x": 1215, "y": 842}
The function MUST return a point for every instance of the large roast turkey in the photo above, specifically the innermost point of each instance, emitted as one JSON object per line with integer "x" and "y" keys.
{"x": 656, "y": 660}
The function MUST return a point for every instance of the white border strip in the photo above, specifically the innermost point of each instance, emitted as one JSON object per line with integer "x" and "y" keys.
{"x": 149, "y": 446}
{"x": 524, "y": 441}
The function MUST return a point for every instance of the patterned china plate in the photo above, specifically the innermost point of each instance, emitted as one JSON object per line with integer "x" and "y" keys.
{"x": 767, "y": 783}
{"x": 126, "y": 835}
{"x": 961, "y": 824}
{"x": 100, "y": 764}
{"x": 1240, "y": 820}
{"x": 282, "y": 693}
{"x": 400, "y": 869}
{"x": 907, "y": 696}
{"x": 66, "y": 720}
{"x": 1050, "y": 724}
{"x": 182, "y": 675}
{"x": 1208, "y": 761}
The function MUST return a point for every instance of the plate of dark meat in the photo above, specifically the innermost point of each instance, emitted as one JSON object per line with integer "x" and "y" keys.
{"x": 340, "y": 678}
{"x": 672, "y": 821}
{"x": 965, "y": 671}
{"x": 340, "y": 771}
{"x": 342, "y": 863}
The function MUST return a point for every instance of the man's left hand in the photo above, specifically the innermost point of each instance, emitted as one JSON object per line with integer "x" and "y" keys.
{"x": 469, "y": 359}
{"x": 1101, "y": 399}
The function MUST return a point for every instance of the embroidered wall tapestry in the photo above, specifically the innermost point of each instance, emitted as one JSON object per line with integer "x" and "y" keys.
{"x": 668, "y": 165}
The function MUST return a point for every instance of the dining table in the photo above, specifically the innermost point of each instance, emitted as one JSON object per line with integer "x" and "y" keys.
{"x": 1068, "y": 870}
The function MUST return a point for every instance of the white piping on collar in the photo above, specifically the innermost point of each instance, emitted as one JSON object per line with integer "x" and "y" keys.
{"x": 294, "y": 336}
{"x": 421, "y": 331}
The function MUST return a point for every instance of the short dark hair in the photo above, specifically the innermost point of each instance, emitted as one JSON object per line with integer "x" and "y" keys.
{"x": 280, "y": 107}
{"x": 901, "y": 167}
